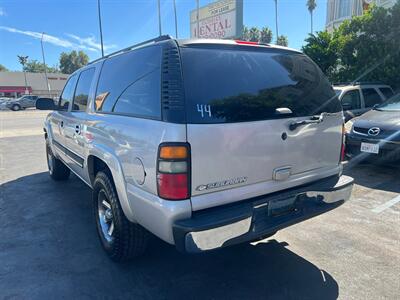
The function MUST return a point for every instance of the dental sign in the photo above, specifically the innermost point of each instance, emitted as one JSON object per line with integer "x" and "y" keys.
{"x": 218, "y": 20}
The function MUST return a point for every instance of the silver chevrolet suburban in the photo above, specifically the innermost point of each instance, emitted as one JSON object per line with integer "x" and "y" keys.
{"x": 203, "y": 143}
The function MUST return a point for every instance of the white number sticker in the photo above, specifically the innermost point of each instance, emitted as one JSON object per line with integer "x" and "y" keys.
{"x": 204, "y": 109}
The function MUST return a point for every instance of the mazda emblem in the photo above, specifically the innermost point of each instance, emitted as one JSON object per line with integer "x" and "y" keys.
{"x": 374, "y": 131}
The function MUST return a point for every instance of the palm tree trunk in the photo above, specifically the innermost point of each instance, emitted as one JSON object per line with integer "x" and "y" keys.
{"x": 312, "y": 31}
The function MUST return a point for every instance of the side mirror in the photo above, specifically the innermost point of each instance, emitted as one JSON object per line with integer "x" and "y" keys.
{"x": 46, "y": 104}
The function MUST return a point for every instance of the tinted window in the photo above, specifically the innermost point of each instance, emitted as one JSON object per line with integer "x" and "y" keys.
{"x": 142, "y": 98}
{"x": 371, "y": 97}
{"x": 125, "y": 76}
{"x": 82, "y": 90}
{"x": 68, "y": 93}
{"x": 386, "y": 92}
{"x": 351, "y": 100}
{"x": 241, "y": 85}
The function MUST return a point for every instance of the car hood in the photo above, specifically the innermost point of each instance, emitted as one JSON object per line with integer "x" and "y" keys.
{"x": 375, "y": 118}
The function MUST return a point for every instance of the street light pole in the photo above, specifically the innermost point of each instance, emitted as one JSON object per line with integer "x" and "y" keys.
{"x": 276, "y": 20}
{"x": 159, "y": 17}
{"x": 176, "y": 20}
{"x": 197, "y": 18}
{"x": 101, "y": 31}
{"x": 44, "y": 64}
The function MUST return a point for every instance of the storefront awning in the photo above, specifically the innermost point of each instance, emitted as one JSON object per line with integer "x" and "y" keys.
{"x": 12, "y": 89}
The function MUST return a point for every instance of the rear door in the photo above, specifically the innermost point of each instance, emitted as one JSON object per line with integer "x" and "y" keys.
{"x": 371, "y": 97}
{"x": 240, "y": 104}
{"x": 75, "y": 120}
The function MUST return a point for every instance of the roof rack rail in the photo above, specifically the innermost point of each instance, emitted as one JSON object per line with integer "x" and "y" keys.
{"x": 154, "y": 40}
{"x": 357, "y": 82}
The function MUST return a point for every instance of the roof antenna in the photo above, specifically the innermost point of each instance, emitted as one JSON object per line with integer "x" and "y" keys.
{"x": 101, "y": 32}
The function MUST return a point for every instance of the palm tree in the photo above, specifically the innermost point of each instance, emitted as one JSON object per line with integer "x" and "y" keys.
{"x": 265, "y": 35}
{"x": 282, "y": 41}
{"x": 311, "y": 5}
{"x": 254, "y": 34}
{"x": 276, "y": 18}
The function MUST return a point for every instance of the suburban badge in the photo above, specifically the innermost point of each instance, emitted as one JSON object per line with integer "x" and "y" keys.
{"x": 219, "y": 184}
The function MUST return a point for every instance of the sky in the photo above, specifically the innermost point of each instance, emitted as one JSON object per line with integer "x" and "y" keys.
{"x": 73, "y": 24}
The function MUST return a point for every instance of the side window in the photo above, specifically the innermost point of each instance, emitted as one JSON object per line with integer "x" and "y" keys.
{"x": 142, "y": 98}
{"x": 67, "y": 94}
{"x": 387, "y": 92}
{"x": 82, "y": 90}
{"x": 130, "y": 83}
{"x": 371, "y": 97}
{"x": 351, "y": 100}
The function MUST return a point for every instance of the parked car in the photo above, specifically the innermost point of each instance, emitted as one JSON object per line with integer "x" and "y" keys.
{"x": 204, "y": 143}
{"x": 23, "y": 102}
{"x": 358, "y": 98}
{"x": 375, "y": 136}
{"x": 3, "y": 102}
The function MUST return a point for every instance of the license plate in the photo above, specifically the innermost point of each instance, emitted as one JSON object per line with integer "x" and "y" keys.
{"x": 370, "y": 148}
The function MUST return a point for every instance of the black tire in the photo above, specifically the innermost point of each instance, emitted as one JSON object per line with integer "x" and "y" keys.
{"x": 127, "y": 240}
{"x": 16, "y": 107}
{"x": 57, "y": 170}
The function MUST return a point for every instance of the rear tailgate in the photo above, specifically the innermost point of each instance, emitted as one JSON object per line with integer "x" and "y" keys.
{"x": 240, "y": 102}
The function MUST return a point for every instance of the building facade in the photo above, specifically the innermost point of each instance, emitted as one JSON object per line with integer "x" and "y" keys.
{"x": 340, "y": 10}
{"x": 12, "y": 84}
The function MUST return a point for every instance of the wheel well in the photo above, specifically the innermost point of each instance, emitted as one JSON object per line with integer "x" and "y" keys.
{"x": 96, "y": 165}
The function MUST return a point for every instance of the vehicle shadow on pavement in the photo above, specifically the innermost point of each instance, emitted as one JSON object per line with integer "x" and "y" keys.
{"x": 380, "y": 177}
{"x": 49, "y": 249}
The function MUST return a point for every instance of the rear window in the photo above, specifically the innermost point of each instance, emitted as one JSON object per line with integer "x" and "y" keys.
{"x": 371, "y": 97}
{"x": 387, "y": 92}
{"x": 130, "y": 84}
{"x": 232, "y": 85}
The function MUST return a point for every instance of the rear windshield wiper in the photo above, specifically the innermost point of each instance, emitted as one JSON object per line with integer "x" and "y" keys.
{"x": 313, "y": 120}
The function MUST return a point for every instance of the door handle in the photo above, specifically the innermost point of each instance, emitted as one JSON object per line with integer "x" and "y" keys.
{"x": 78, "y": 129}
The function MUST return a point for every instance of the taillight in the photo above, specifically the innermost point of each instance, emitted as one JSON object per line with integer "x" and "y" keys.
{"x": 173, "y": 170}
{"x": 343, "y": 148}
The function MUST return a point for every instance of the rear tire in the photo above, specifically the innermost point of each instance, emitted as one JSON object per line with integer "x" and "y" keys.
{"x": 57, "y": 170}
{"x": 16, "y": 107}
{"x": 121, "y": 239}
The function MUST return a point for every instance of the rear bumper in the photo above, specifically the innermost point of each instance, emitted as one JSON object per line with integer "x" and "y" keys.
{"x": 259, "y": 217}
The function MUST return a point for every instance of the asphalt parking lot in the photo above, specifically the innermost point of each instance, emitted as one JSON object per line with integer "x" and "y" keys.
{"x": 49, "y": 247}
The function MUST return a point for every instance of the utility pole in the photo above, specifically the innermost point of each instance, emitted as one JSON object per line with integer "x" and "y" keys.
{"x": 176, "y": 20}
{"x": 22, "y": 61}
{"x": 197, "y": 18}
{"x": 101, "y": 31}
{"x": 44, "y": 65}
{"x": 276, "y": 19}
{"x": 159, "y": 17}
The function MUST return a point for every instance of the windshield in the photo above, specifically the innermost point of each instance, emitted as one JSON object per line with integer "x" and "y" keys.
{"x": 393, "y": 104}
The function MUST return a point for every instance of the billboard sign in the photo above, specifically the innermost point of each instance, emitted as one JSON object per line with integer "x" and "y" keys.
{"x": 218, "y": 20}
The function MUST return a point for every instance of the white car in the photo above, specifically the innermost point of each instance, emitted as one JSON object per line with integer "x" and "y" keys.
{"x": 3, "y": 102}
{"x": 358, "y": 98}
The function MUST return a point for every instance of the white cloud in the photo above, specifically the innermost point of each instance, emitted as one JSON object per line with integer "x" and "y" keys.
{"x": 2, "y": 12}
{"x": 88, "y": 44}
